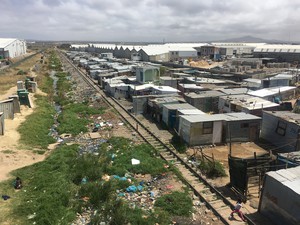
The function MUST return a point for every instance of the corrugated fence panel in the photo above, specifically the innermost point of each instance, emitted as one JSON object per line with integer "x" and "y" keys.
{"x": 1, "y": 123}
{"x": 7, "y": 107}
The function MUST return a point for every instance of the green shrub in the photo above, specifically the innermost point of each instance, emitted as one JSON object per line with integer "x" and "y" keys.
{"x": 21, "y": 72}
{"x": 179, "y": 144}
{"x": 212, "y": 169}
{"x": 176, "y": 203}
{"x": 87, "y": 166}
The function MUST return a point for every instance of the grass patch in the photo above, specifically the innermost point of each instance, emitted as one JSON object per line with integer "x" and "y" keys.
{"x": 49, "y": 192}
{"x": 34, "y": 130}
{"x": 46, "y": 84}
{"x": 123, "y": 151}
{"x": 75, "y": 118}
{"x": 176, "y": 203}
{"x": 63, "y": 87}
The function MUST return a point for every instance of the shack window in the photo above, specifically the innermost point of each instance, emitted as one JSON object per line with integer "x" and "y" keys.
{"x": 244, "y": 125}
{"x": 281, "y": 128}
{"x": 207, "y": 128}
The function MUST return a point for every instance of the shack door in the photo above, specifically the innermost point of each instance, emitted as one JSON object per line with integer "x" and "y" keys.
{"x": 253, "y": 132}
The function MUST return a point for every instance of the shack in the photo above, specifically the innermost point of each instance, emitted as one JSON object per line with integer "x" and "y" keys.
{"x": 155, "y": 106}
{"x": 206, "y": 101}
{"x": 282, "y": 129}
{"x": 218, "y": 128}
{"x": 245, "y": 103}
{"x": 272, "y": 93}
{"x": 170, "y": 111}
{"x": 281, "y": 196}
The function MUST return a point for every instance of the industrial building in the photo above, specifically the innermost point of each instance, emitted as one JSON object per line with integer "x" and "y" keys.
{"x": 11, "y": 48}
{"x": 282, "y": 53}
{"x": 158, "y": 53}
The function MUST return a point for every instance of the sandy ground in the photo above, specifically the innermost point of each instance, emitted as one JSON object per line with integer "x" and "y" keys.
{"x": 11, "y": 155}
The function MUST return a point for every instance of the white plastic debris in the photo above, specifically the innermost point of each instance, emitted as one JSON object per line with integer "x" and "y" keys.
{"x": 135, "y": 161}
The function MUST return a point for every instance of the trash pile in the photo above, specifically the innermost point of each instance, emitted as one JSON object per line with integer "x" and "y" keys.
{"x": 147, "y": 189}
{"x": 89, "y": 145}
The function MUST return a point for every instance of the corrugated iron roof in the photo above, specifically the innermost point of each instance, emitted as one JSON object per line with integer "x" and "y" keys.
{"x": 288, "y": 177}
{"x": 220, "y": 117}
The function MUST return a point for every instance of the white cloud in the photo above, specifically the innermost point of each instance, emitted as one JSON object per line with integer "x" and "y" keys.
{"x": 149, "y": 20}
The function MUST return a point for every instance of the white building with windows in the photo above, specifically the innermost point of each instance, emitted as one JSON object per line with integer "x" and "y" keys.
{"x": 11, "y": 48}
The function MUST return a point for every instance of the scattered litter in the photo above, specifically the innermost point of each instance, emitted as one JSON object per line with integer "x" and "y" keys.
{"x": 5, "y": 197}
{"x": 31, "y": 216}
{"x": 85, "y": 199}
{"x": 106, "y": 177}
{"x": 131, "y": 188}
{"x": 169, "y": 186}
{"x": 84, "y": 180}
{"x": 95, "y": 129}
{"x": 135, "y": 161}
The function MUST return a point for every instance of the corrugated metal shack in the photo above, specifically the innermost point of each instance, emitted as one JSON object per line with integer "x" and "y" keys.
{"x": 155, "y": 106}
{"x": 170, "y": 111}
{"x": 206, "y": 101}
{"x": 281, "y": 196}
{"x": 183, "y": 112}
{"x": 245, "y": 103}
{"x": 218, "y": 128}
{"x": 282, "y": 129}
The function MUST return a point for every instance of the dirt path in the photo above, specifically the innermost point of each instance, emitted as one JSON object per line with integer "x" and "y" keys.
{"x": 11, "y": 155}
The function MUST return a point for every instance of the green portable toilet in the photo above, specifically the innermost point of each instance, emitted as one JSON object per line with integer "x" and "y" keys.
{"x": 23, "y": 97}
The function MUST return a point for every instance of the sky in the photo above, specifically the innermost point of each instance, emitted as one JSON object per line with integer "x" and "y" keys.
{"x": 149, "y": 20}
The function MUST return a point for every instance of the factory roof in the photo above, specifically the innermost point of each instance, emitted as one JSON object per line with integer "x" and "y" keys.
{"x": 6, "y": 41}
{"x": 278, "y": 48}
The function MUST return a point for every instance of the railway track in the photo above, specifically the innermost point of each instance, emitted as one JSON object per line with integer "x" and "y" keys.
{"x": 215, "y": 201}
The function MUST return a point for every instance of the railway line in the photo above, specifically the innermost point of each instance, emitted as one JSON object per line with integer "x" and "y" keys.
{"x": 214, "y": 200}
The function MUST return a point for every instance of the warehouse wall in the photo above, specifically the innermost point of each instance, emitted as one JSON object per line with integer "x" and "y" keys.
{"x": 16, "y": 48}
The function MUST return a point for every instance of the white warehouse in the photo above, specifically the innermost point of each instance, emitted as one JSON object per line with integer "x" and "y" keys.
{"x": 10, "y": 48}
